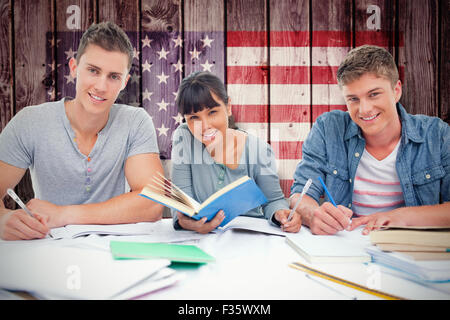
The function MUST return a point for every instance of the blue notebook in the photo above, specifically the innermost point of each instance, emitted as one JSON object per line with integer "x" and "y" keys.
{"x": 235, "y": 199}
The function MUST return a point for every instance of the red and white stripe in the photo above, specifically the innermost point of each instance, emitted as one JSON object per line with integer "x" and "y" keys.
{"x": 287, "y": 87}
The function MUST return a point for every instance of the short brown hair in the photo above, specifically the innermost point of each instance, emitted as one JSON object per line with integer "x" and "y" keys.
{"x": 109, "y": 37}
{"x": 367, "y": 59}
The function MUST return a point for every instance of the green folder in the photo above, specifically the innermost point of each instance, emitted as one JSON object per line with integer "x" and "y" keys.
{"x": 170, "y": 251}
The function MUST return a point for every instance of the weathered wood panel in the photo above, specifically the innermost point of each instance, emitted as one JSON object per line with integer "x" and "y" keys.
{"x": 37, "y": 69}
{"x": 6, "y": 74}
{"x": 444, "y": 70}
{"x": 418, "y": 23}
{"x": 126, "y": 15}
{"x": 290, "y": 84}
{"x": 247, "y": 57}
{"x": 204, "y": 28}
{"x": 162, "y": 67}
{"x": 72, "y": 19}
{"x": 331, "y": 40}
{"x": 33, "y": 21}
{"x": 375, "y": 23}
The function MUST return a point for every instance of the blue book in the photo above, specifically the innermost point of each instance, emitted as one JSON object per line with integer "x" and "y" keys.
{"x": 235, "y": 199}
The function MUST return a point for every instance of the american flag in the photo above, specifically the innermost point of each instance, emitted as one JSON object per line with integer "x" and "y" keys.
{"x": 278, "y": 82}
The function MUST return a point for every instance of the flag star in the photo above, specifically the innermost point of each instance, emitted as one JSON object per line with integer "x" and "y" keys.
{"x": 135, "y": 78}
{"x": 135, "y": 53}
{"x": 207, "y": 66}
{"x": 207, "y": 41}
{"x": 178, "y": 119}
{"x": 146, "y": 42}
{"x": 70, "y": 53}
{"x": 162, "y": 105}
{"x": 163, "y": 53}
{"x": 163, "y": 77}
{"x": 146, "y": 66}
{"x": 69, "y": 79}
{"x": 51, "y": 93}
{"x": 178, "y": 66}
{"x": 194, "y": 53}
{"x": 163, "y": 130}
{"x": 146, "y": 95}
{"x": 52, "y": 66}
{"x": 52, "y": 42}
{"x": 175, "y": 94}
{"x": 178, "y": 41}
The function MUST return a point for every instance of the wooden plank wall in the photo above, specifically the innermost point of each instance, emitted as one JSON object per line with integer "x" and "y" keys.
{"x": 278, "y": 58}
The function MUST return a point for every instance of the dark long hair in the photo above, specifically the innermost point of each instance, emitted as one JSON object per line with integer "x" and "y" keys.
{"x": 194, "y": 93}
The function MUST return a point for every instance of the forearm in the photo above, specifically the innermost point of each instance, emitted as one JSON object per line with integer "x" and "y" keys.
{"x": 305, "y": 208}
{"x": 431, "y": 215}
{"x": 3, "y": 210}
{"x": 125, "y": 208}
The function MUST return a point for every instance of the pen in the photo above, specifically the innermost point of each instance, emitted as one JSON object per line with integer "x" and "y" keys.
{"x": 328, "y": 193}
{"x": 305, "y": 189}
{"x": 16, "y": 198}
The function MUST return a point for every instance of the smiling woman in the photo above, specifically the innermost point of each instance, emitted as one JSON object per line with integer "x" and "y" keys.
{"x": 226, "y": 155}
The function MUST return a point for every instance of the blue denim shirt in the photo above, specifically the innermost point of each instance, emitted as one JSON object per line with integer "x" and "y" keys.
{"x": 335, "y": 144}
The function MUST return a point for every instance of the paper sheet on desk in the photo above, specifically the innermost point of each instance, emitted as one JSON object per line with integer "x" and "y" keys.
{"x": 159, "y": 231}
{"x": 71, "y": 273}
{"x": 345, "y": 246}
{"x": 252, "y": 224}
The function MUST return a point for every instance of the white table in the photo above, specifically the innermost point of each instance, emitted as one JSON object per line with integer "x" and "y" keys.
{"x": 255, "y": 266}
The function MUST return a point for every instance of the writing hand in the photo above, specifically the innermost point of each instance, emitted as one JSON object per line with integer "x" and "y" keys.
{"x": 328, "y": 219}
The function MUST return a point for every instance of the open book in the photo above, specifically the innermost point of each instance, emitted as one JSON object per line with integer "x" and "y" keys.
{"x": 236, "y": 198}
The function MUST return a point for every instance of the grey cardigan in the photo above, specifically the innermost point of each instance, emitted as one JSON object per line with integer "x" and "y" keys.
{"x": 198, "y": 175}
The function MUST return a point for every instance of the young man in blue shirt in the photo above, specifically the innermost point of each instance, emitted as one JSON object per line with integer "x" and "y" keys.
{"x": 380, "y": 164}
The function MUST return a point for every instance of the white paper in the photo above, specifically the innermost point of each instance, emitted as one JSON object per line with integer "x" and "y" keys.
{"x": 344, "y": 246}
{"x": 252, "y": 224}
{"x": 71, "y": 273}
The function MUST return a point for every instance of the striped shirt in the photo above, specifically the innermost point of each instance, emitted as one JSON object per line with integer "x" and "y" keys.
{"x": 377, "y": 187}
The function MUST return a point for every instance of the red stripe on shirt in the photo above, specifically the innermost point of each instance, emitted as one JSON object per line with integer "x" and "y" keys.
{"x": 386, "y": 183}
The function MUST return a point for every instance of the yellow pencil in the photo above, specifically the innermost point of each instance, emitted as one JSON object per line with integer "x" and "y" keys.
{"x": 344, "y": 282}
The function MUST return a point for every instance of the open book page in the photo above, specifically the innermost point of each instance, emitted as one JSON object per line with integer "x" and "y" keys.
{"x": 159, "y": 231}
{"x": 222, "y": 191}
{"x": 252, "y": 224}
{"x": 188, "y": 206}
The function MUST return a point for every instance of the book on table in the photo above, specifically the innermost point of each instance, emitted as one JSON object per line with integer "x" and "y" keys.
{"x": 420, "y": 243}
{"x": 173, "y": 252}
{"x": 235, "y": 199}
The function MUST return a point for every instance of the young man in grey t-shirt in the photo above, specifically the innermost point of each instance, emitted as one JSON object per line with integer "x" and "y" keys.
{"x": 81, "y": 152}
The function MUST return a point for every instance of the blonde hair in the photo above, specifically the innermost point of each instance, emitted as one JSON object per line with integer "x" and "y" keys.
{"x": 367, "y": 59}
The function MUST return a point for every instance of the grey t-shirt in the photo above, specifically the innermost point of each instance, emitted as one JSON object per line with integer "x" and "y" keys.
{"x": 199, "y": 176}
{"x": 41, "y": 138}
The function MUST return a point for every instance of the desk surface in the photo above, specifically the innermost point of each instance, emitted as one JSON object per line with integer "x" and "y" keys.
{"x": 256, "y": 266}
{"x": 252, "y": 265}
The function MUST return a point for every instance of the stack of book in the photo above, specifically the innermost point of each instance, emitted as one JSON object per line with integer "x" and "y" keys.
{"x": 421, "y": 251}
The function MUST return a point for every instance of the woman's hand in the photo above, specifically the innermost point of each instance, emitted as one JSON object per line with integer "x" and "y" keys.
{"x": 200, "y": 226}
